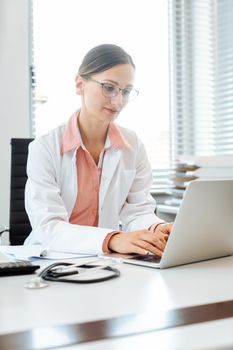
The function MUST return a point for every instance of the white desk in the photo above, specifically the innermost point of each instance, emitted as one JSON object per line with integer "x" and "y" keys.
{"x": 138, "y": 290}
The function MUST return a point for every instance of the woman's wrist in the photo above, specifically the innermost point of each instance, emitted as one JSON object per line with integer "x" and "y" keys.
{"x": 105, "y": 247}
{"x": 113, "y": 238}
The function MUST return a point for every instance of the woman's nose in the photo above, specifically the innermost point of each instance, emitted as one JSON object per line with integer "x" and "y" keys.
{"x": 118, "y": 99}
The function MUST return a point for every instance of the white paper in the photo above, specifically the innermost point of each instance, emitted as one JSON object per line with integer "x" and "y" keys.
{"x": 4, "y": 258}
{"x": 31, "y": 252}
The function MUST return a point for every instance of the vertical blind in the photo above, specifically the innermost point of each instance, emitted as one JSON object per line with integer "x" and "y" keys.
{"x": 224, "y": 78}
{"x": 201, "y": 77}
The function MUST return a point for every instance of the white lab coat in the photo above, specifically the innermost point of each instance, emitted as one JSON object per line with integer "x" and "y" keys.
{"x": 51, "y": 192}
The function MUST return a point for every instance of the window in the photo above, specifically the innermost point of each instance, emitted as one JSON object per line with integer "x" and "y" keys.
{"x": 201, "y": 50}
{"x": 190, "y": 38}
{"x": 64, "y": 30}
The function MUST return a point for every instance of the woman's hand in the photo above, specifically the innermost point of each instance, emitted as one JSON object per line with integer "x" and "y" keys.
{"x": 141, "y": 241}
{"x": 163, "y": 230}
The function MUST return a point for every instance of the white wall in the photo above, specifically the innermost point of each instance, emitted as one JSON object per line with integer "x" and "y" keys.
{"x": 14, "y": 88}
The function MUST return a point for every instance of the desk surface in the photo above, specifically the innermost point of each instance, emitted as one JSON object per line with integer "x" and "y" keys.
{"x": 138, "y": 290}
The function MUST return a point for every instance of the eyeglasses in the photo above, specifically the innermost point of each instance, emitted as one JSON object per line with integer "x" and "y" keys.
{"x": 110, "y": 90}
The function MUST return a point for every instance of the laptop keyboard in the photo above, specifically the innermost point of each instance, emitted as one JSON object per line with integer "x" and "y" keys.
{"x": 150, "y": 258}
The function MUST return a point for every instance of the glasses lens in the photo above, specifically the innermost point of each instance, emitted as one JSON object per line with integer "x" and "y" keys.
{"x": 130, "y": 94}
{"x": 109, "y": 90}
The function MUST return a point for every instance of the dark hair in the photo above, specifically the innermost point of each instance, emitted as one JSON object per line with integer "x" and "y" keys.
{"x": 103, "y": 57}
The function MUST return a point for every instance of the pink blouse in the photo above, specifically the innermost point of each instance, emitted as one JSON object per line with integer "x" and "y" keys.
{"x": 85, "y": 211}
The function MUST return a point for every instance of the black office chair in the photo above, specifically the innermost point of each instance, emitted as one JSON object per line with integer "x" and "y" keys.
{"x": 19, "y": 223}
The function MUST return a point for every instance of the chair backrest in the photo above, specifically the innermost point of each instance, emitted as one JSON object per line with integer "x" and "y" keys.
{"x": 19, "y": 223}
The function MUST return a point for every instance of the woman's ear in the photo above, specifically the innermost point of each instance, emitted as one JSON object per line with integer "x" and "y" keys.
{"x": 79, "y": 83}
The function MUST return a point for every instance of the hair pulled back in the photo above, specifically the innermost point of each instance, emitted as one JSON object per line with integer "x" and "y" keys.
{"x": 103, "y": 57}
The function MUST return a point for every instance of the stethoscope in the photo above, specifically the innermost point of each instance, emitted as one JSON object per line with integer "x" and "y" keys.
{"x": 74, "y": 273}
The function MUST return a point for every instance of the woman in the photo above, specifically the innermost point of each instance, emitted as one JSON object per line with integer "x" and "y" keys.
{"x": 89, "y": 180}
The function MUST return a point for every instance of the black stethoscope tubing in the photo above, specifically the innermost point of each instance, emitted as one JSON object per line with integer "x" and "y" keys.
{"x": 48, "y": 275}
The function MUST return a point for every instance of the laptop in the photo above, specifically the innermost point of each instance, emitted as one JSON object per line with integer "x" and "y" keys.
{"x": 202, "y": 230}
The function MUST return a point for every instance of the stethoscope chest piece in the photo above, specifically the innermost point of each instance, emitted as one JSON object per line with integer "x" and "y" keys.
{"x": 36, "y": 283}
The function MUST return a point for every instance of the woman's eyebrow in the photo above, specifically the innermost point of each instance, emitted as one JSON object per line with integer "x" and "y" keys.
{"x": 114, "y": 82}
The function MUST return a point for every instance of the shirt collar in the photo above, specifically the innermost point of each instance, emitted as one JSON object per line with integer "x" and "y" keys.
{"x": 72, "y": 137}
{"x": 115, "y": 139}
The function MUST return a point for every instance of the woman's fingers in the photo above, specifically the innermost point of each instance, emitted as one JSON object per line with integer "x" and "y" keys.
{"x": 141, "y": 245}
{"x": 149, "y": 243}
{"x": 163, "y": 238}
{"x": 164, "y": 228}
{"x": 140, "y": 242}
{"x": 154, "y": 240}
{"x": 139, "y": 250}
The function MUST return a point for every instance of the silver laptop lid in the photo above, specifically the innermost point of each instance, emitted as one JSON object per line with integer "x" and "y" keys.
{"x": 203, "y": 228}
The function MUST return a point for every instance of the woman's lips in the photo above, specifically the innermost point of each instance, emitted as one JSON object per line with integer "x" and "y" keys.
{"x": 113, "y": 111}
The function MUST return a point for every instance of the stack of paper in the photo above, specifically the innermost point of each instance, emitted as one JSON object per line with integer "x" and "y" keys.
{"x": 193, "y": 168}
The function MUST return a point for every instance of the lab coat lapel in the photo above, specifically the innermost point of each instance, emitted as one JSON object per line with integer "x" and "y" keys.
{"x": 111, "y": 160}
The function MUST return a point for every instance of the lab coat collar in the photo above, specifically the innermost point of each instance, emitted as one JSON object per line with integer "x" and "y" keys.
{"x": 71, "y": 136}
